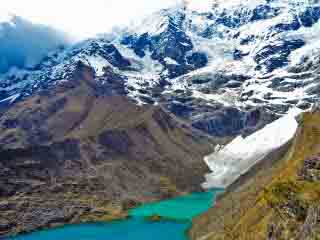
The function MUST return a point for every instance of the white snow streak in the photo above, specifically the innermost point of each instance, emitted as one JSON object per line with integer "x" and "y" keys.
{"x": 235, "y": 159}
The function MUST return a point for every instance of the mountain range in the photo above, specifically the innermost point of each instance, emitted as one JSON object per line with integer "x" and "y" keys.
{"x": 244, "y": 63}
{"x": 126, "y": 117}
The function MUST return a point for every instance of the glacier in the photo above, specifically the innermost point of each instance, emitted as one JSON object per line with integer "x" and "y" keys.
{"x": 239, "y": 156}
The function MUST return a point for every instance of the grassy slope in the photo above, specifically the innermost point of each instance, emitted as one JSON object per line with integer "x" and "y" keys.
{"x": 253, "y": 203}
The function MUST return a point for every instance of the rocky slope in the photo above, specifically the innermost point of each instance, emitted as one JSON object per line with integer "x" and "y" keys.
{"x": 80, "y": 152}
{"x": 278, "y": 199}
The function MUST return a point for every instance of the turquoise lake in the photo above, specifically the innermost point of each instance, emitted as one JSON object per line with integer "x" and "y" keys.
{"x": 182, "y": 209}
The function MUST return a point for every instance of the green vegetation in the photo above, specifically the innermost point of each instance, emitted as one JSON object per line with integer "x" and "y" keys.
{"x": 167, "y": 187}
{"x": 154, "y": 218}
{"x": 101, "y": 210}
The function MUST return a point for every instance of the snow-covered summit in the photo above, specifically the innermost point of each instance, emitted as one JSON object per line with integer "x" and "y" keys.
{"x": 199, "y": 57}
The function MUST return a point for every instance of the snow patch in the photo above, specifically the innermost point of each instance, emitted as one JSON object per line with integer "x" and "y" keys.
{"x": 98, "y": 63}
{"x": 227, "y": 99}
{"x": 11, "y": 99}
{"x": 170, "y": 61}
{"x": 239, "y": 156}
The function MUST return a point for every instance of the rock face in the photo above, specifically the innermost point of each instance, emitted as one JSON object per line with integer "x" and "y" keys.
{"x": 78, "y": 152}
{"x": 232, "y": 121}
{"x": 277, "y": 199}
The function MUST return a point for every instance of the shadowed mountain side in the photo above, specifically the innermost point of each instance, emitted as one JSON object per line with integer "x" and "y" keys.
{"x": 78, "y": 153}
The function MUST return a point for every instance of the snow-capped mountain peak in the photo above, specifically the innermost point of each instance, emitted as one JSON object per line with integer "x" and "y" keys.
{"x": 200, "y": 56}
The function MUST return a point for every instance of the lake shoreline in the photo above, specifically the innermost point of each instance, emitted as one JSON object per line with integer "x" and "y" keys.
{"x": 162, "y": 212}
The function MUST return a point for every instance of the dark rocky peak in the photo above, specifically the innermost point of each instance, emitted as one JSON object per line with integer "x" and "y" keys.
{"x": 100, "y": 48}
{"x": 173, "y": 44}
{"x": 139, "y": 44}
{"x": 168, "y": 38}
{"x": 237, "y": 17}
{"x": 275, "y": 55}
{"x": 310, "y": 16}
{"x": 82, "y": 72}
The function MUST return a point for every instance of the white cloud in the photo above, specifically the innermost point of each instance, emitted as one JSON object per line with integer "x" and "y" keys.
{"x": 23, "y": 43}
{"x": 83, "y": 18}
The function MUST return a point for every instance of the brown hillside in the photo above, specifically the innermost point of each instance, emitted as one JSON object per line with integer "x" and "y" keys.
{"x": 77, "y": 153}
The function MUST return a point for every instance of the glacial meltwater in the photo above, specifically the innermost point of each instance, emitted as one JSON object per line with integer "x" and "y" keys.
{"x": 177, "y": 214}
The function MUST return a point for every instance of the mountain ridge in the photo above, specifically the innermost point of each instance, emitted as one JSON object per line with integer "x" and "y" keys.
{"x": 247, "y": 57}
